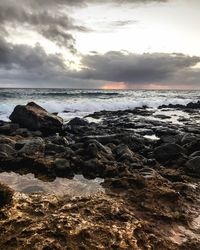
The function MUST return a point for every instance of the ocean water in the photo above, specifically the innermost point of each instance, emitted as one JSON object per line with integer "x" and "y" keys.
{"x": 70, "y": 103}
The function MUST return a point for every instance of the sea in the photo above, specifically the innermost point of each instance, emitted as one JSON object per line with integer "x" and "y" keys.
{"x": 70, "y": 103}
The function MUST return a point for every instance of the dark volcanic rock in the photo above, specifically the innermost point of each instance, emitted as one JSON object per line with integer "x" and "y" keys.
{"x": 151, "y": 196}
{"x": 197, "y": 153}
{"x": 7, "y": 149}
{"x": 193, "y": 146}
{"x": 54, "y": 148}
{"x": 78, "y": 122}
{"x": 34, "y": 117}
{"x": 7, "y": 140}
{"x": 193, "y": 165}
{"x": 168, "y": 152}
{"x": 31, "y": 146}
{"x": 123, "y": 153}
{"x": 5, "y": 195}
{"x": 8, "y": 128}
{"x": 190, "y": 105}
{"x": 62, "y": 167}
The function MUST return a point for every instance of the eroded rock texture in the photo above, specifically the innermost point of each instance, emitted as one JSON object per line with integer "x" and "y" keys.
{"x": 149, "y": 162}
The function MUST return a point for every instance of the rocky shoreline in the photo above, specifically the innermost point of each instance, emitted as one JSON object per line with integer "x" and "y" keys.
{"x": 149, "y": 161}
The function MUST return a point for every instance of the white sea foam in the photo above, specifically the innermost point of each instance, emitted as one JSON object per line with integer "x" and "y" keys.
{"x": 80, "y": 103}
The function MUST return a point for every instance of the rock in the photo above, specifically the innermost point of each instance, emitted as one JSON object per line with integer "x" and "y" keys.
{"x": 8, "y": 128}
{"x": 187, "y": 138}
{"x": 193, "y": 146}
{"x": 62, "y": 167}
{"x": 151, "y": 162}
{"x": 93, "y": 168}
{"x": 30, "y": 147}
{"x": 161, "y": 116}
{"x": 36, "y": 133}
{"x": 3, "y": 155}
{"x": 52, "y": 148}
{"x": 167, "y": 152}
{"x": 193, "y": 165}
{"x": 7, "y": 140}
{"x": 92, "y": 150}
{"x": 6, "y": 195}
{"x": 197, "y": 153}
{"x": 5, "y": 148}
{"x": 34, "y": 117}
{"x": 59, "y": 140}
{"x": 165, "y": 131}
{"x": 168, "y": 138}
{"x": 78, "y": 122}
{"x": 134, "y": 143}
{"x": 123, "y": 153}
{"x": 172, "y": 106}
{"x": 22, "y": 132}
{"x": 190, "y": 105}
{"x": 99, "y": 146}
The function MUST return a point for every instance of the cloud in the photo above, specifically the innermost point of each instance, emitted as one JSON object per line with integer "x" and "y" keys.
{"x": 26, "y": 66}
{"x": 122, "y": 23}
{"x": 133, "y": 69}
{"x": 33, "y": 60}
{"x": 51, "y": 18}
{"x": 44, "y": 17}
{"x": 22, "y": 65}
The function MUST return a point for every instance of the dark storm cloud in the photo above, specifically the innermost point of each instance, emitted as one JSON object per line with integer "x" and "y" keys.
{"x": 52, "y": 23}
{"x": 134, "y": 68}
{"x": 25, "y": 66}
{"x": 29, "y": 59}
{"x": 20, "y": 64}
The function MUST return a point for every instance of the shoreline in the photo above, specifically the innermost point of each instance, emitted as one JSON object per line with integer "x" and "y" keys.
{"x": 151, "y": 198}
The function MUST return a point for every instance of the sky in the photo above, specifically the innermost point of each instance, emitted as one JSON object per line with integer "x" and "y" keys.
{"x": 108, "y": 44}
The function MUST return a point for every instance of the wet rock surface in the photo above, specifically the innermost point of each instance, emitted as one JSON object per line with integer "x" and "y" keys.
{"x": 150, "y": 164}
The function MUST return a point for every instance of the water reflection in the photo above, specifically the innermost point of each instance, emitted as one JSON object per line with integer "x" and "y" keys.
{"x": 79, "y": 186}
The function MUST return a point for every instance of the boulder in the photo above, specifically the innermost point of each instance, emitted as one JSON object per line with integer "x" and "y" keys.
{"x": 193, "y": 105}
{"x": 196, "y": 153}
{"x": 31, "y": 146}
{"x": 6, "y": 195}
{"x": 187, "y": 138}
{"x": 193, "y": 146}
{"x": 123, "y": 153}
{"x": 78, "y": 122}
{"x": 52, "y": 148}
{"x": 62, "y": 167}
{"x": 193, "y": 165}
{"x": 8, "y": 128}
{"x": 3, "y": 155}
{"x": 34, "y": 117}
{"x": 167, "y": 152}
{"x": 7, "y": 149}
{"x": 7, "y": 140}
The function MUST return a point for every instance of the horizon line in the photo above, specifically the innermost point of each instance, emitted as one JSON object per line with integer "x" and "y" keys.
{"x": 115, "y": 89}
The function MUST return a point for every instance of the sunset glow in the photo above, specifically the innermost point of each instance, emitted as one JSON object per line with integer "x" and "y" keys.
{"x": 100, "y": 44}
{"x": 114, "y": 86}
